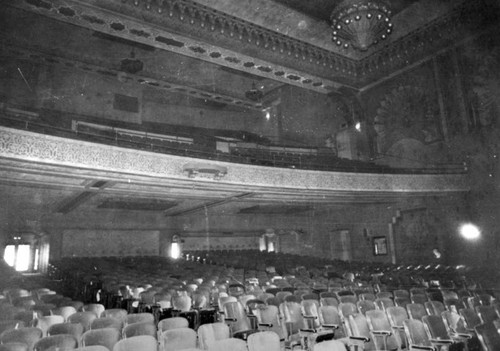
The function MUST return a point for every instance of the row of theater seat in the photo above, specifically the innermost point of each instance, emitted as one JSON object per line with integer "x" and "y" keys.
{"x": 309, "y": 284}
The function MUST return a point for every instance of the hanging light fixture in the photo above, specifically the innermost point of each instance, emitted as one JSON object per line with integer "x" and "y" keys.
{"x": 131, "y": 65}
{"x": 254, "y": 94}
{"x": 360, "y": 23}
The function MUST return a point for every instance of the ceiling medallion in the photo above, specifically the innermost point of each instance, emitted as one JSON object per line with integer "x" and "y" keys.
{"x": 360, "y": 23}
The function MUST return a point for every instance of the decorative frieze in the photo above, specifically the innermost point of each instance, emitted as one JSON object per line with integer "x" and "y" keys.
{"x": 50, "y": 150}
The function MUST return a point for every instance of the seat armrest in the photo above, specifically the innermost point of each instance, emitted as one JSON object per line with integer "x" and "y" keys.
{"x": 230, "y": 319}
{"x": 269, "y": 325}
{"x": 307, "y": 330}
{"x": 382, "y": 332}
{"x": 422, "y": 347}
{"x": 331, "y": 326}
{"x": 442, "y": 341}
{"x": 360, "y": 338}
{"x": 462, "y": 335}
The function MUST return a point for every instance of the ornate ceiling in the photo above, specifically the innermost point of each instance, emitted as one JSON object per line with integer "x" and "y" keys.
{"x": 272, "y": 42}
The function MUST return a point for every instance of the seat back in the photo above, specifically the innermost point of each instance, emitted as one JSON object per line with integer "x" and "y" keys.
{"x": 106, "y": 322}
{"x": 329, "y": 301}
{"x": 83, "y": 318}
{"x": 117, "y": 313}
{"x": 365, "y": 305}
{"x": 142, "y": 343}
{"x": 416, "y": 311}
{"x": 384, "y": 302}
{"x": 10, "y": 324}
{"x": 471, "y": 318}
{"x": 358, "y": 327}
{"x": 292, "y": 318}
{"x": 487, "y": 314}
{"x": 381, "y": 329}
{"x": 172, "y": 323}
{"x": 136, "y": 329}
{"x": 435, "y": 327}
{"x": 348, "y": 299}
{"x": 97, "y": 308}
{"x": 140, "y": 318}
{"x": 419, "y": 298}
{"x": 488, "y": 336}
{"x": 64, "y": 311}
{"x": 182, "y": 303}
{"x": 346, "y": 309}
{"x": 367, "y": 296}
{"x": 329, "y": 345}
{"x": 27, "y": 335}
{"x": 434, "y": 307}
{"x": 269, "y": 319}
{"x": 208, "y": 333}
{"x": 75, "y": 329}
{"x": 310, "y": 313}
{"x": 56, "y": 342}
{"x": 264, "y": 341}
{"x": 231, "y": 344}
{"x": 415, "y": 333}
{"x": 14, "y": 346}
{"x": 178, "y": 339}
{"x": 235, "y": 314}
{"x": 106, "y": 337}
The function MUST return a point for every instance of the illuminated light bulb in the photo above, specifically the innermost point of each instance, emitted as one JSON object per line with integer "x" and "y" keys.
{"x": 469, "y": 231}
{"x": 358, "y": 126}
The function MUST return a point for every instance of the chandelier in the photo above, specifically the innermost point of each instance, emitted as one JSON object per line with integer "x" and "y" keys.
{"x": 360, "y": 23}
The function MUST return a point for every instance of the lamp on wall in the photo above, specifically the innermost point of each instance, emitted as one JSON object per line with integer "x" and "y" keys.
{"x": 360, "y": 23}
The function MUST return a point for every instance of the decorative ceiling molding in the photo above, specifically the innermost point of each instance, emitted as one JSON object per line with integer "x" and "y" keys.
{"x": 124, "y": 26}
{"x": 257, "y": 50}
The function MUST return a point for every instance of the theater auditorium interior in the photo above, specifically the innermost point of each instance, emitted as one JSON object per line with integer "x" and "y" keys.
{"x": 249, "y": 175}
